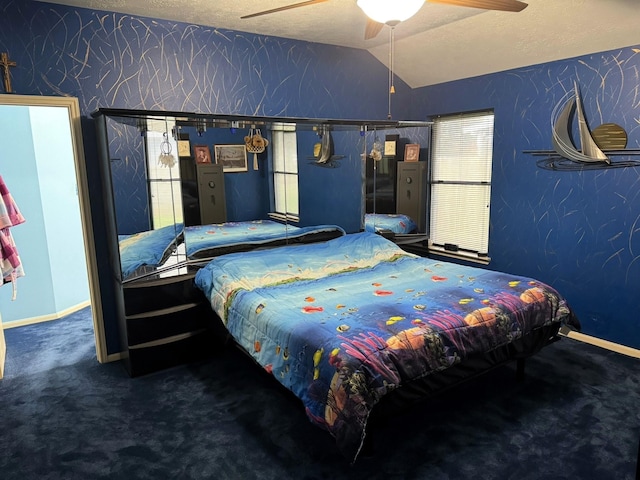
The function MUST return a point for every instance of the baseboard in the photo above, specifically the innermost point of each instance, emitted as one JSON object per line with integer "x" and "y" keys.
{"x": 599, "y": 342}
{"x": 46, "y": 318}
{"x": 114, "y": 357}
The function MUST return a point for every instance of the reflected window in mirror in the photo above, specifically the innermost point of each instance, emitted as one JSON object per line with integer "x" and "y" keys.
{"x": 285, "y": 171}
{"x": 151, "y": 245}
{"x": 163, "y": 174}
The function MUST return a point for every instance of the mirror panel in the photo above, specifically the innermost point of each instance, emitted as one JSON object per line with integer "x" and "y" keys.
{"x": 155, "y": 169}
{"x": 388, "y": 194}
{"x": 331, "y": 182}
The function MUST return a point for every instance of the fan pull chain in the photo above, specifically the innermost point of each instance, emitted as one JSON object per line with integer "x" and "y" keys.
{"x": 392, "y": 88}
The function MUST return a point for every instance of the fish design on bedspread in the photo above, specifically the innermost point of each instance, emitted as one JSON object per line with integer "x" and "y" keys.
{"x": 345, "y": 322}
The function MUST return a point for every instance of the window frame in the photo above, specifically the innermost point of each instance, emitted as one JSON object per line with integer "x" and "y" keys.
{"x": 285, "y": 173}
{"x": 445, "y": 237}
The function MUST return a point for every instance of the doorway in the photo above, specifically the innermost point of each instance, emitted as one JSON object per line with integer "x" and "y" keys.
{"x": 44, "y": 164}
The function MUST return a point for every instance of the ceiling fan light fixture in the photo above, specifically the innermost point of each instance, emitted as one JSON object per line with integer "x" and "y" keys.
{"x": 390, "y": 12}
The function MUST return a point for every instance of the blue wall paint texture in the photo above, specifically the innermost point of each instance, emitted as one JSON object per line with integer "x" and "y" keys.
{"x": 578, "y": 231}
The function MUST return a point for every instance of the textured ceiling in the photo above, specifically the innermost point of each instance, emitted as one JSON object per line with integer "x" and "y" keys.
{"x": 439, "y": 44}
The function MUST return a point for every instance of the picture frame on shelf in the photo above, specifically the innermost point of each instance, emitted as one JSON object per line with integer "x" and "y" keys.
{"x": 233, "y": 158}
{"x": 184, "y": 148}
{"x": 202, "y": 153}
{"x": 412, "y": 152}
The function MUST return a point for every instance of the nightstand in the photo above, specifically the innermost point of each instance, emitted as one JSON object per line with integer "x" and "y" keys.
{"x": 167, "y": 322}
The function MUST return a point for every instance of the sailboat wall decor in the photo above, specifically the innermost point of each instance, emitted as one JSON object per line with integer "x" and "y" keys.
{"x": 560, "y": 132}
{"x": 566, "y": 156}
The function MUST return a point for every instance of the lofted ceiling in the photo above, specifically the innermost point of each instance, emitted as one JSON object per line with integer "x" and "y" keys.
{"x": 439, "y": 44}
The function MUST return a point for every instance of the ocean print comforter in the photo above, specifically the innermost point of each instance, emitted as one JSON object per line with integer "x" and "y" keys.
{"x": 344, "y": 322}
{"x": 395, "y": 222}
{"x": 204, "y": 241}
{"x": 148, "y": 249}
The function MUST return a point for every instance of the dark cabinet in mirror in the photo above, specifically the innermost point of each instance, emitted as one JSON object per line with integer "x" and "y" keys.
{"x": 396, "y": 180}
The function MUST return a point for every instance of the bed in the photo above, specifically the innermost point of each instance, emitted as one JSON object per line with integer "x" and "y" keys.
{"x": 144, "y": 252}
{"x": 205, "y": 241}
{"x": 349, "y": 323}
{"x": 393, "y": 222}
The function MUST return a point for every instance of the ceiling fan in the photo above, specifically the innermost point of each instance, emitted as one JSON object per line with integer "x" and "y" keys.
{"x": 374, "y": 27}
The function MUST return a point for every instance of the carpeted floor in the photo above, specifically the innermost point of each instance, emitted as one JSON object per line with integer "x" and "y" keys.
{"x": 64, "y": 415}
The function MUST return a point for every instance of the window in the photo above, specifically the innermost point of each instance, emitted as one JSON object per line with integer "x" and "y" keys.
{"x": 462, "y": 151}
{"x": 285, "y": 171}
{"x": 165, "y": 200}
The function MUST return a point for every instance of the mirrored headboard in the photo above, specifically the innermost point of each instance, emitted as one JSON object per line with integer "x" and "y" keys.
{"x": 170, "y": 171}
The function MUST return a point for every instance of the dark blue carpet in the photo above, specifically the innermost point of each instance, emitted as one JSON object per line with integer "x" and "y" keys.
{"x": 63, "y": 415}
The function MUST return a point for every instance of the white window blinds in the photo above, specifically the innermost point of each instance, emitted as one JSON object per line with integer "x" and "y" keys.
{"x": 285, "y": 170}
{"x": 462, "y": 152}
{"x": 165, "y": 199}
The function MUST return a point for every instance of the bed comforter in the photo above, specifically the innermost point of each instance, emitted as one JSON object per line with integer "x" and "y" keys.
{"x": 211, "y": 240}
{"x": 143, "y": 252}
{"x": 395, "y": 222}
{"x": 149, "y": 249}
{"x": 344, "y": 322}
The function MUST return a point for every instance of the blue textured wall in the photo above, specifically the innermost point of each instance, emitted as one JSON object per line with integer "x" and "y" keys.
{"x": 577, "y": 230}
{"x": 118, "y": 61}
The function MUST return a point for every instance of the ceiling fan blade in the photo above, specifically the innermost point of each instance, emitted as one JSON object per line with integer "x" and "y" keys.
{"x": 372, "y": 29}
{"x": 504, "y": 5}
{"x": 286, "y": 7}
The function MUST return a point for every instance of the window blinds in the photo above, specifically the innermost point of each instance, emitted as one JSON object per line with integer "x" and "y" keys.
{"x": 461, "y": 182}
{"x": 285, "y": 169}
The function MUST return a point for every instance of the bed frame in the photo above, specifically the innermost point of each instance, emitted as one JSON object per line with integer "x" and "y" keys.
{"x": 417, "y": 392}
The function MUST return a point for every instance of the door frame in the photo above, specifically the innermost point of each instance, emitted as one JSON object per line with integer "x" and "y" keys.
{"x": 73, "y": 110}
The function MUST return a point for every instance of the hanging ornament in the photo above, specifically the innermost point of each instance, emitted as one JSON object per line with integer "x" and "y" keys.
{"x": 166, "y": 159}
{"x": 255, "y": 143}
{"x": 376, "y": 150}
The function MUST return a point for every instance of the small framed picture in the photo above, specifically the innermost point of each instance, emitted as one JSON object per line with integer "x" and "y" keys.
{"x": 233, "y": 158}
{"x": 390, "y": 148}
{"x": 184, "y": 148}
{"x": 391, "y": 145}
{"x": 202, "y": 153}
{"x": 412, "y": 152}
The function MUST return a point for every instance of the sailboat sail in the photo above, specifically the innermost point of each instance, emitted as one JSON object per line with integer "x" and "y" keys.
{"x": 561, "y": 138}
{"x": 589, "y": 147}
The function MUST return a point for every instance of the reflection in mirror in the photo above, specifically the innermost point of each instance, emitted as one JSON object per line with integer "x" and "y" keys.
{"x": 276, "y": 176}
{"x": 168, "y": 202}
{"x": 396, "y": 179}
{"x": 146, "y": 193}
{"x": 163, "y": 173}
{"x": 285, "y": 172}
{"x": 331, "y": 183}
